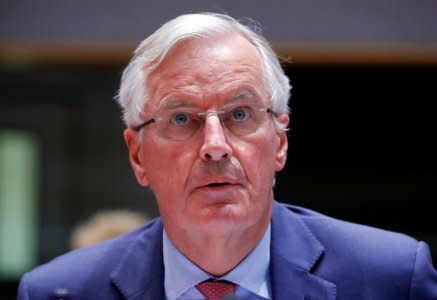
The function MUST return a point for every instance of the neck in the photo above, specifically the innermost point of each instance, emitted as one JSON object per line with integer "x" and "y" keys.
{"x": 215, "y": 252}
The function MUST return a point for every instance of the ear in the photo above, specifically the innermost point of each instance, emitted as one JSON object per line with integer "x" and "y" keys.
{"x": 136, "y": 155}
{"x": 281, "y": 152}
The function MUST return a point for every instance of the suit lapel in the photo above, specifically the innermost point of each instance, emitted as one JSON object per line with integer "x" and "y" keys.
{"x": 295, "y": 252}
{"x": 140, "y": 275}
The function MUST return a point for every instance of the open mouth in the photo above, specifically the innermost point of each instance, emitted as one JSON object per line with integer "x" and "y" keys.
{"x": 216, "y": 184}
{"x": 217, "y": 187}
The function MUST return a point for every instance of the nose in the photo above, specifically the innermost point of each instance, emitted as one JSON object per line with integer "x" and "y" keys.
{"x": 215, "y": 145}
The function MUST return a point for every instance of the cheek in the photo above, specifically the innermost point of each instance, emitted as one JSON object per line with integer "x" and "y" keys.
{"x": 167, "y": 164}
{"x": 258, "y": 160}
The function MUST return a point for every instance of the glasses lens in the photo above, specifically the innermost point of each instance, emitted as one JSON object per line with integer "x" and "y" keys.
{"x": 179, "y": 125}
{"x": 243, "y": 120}
{"x": 239, "y": 120}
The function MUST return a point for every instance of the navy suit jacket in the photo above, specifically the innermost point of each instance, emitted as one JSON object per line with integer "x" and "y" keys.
{"x": 312, "y": 257}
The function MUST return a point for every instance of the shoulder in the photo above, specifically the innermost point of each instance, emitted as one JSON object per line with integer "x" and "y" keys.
{"x": 362, "y": 259}
{"x": 88, "y": 266}
{"x": 353, "y": 237}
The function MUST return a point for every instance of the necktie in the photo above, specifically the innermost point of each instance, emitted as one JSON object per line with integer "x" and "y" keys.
{"x": 216, "y": 289}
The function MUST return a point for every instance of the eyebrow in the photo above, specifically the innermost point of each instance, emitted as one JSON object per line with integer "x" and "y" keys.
{"x": 240, "y": 95}
{"x": 245, "y": 94}
{"x": 172, "y": 104}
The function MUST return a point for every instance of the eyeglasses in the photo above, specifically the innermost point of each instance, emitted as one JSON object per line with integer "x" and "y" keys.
{"x": 239, "y": 119}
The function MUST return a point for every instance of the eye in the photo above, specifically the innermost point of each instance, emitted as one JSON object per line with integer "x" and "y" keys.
{"x": 240, "y": 114}
{"x": 180, "y": 119}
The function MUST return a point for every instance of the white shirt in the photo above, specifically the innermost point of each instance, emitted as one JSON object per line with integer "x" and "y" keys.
{"x": 251, "y": 274}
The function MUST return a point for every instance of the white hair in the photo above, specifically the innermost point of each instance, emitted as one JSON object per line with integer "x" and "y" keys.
{"x": 134, "y": 94}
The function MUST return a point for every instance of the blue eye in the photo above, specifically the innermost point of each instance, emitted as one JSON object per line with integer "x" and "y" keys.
{"x": 180, "y": 119}
{"x": 240, "y": 114}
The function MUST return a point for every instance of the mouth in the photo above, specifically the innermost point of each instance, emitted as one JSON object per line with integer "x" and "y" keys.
{"x": 217, "y": 185}
{"x": 218, "y": 191}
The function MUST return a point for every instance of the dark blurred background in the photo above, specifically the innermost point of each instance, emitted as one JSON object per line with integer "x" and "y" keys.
{"x": 363, "y": 128}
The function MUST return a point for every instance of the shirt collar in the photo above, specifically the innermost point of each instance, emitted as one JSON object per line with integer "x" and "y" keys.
{"x": 252, "y": 273}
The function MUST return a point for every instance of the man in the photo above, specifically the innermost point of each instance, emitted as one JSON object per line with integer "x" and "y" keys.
{"x": 205, "y": 104}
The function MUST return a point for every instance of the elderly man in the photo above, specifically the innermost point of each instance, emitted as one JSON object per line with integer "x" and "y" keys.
{"x": 205, "y": 104}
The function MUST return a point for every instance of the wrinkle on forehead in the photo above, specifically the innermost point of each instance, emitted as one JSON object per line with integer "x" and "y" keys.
{"x": 202, "y": 68}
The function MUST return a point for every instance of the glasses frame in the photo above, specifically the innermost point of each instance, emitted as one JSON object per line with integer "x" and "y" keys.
{"x": 202, "y": 114}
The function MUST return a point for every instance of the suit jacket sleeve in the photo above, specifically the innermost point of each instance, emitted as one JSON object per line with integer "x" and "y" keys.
{"x": 424, "y": 279}
{"x": 22, "y": 289}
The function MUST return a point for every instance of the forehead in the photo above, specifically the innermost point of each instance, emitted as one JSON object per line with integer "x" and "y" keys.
{"x": 207, "y": 69}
